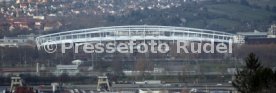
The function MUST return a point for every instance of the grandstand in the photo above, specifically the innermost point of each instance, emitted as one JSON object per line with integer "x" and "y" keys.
{"x": 136, "y": 33}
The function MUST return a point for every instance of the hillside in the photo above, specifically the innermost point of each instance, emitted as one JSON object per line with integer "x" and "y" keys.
{"x": 229, "y": 17}
{"x": 223, "y": 15}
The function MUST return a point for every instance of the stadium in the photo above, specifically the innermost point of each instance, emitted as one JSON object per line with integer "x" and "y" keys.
{"x": 136, "y": 33}
{"x": 154, "y": 63}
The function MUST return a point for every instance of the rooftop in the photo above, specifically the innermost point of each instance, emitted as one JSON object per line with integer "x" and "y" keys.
{"x": 252, "y": 33}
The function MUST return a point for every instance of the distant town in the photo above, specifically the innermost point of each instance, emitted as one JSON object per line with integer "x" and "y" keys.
{"x": 42, "y": 15}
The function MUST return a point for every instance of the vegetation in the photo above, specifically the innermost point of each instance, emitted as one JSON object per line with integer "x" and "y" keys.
{"x": 224, "y": 16}
{"x": 255, "y": 78}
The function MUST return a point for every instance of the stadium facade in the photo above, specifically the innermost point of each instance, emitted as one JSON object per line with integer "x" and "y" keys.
{"x": 137, "y": 33}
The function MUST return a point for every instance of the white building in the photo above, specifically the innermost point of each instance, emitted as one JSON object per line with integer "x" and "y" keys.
{"x": 272, "y": 31}
{"x": 254, "y": 34}
{"x": 20, "y": 40}
{"x": 152, "y": 91}
{"x": 70, "y": 70}
{"x": 239, "y": 39}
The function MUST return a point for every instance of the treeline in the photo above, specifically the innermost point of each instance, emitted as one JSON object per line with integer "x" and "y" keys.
{"x": 38, "y": 80}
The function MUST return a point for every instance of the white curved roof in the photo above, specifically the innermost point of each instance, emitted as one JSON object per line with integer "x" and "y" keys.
{"x": 134, "y": 32}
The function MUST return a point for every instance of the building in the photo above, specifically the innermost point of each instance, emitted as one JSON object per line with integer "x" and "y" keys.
{"x": 136, "y": 33}
{"x": 21, "y": 23}
{"x": 257, "y": 37}
{"x": 261, "y": 41}
{"x": 240, "y": 39}
{"x": 20, "y": 40}
{"x": 52, "y": 25}
{"x": 70, "y": 70}
{"x": 30, "y": 1}
{"x": 16, "y": 71}
{"x": 152, "y": 91}
{"x": 254, "y": 34}
{"x": 272, "y": 31}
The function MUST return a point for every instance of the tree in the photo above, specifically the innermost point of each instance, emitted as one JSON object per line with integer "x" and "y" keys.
{"x": 253, "y": 78}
